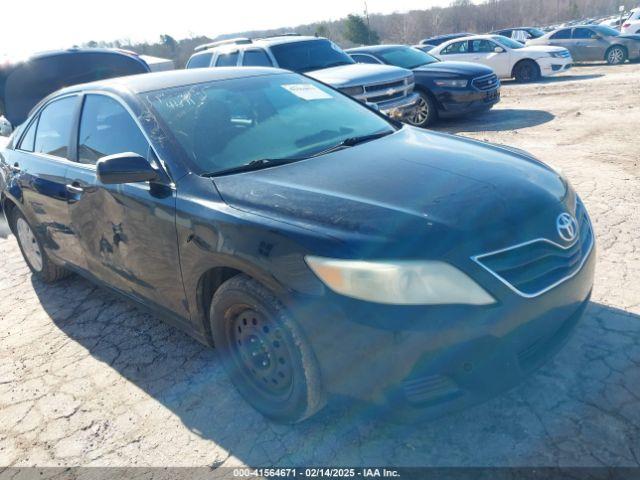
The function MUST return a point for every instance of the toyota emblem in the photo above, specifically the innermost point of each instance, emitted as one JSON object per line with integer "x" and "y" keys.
{"x": 567, "y": 227}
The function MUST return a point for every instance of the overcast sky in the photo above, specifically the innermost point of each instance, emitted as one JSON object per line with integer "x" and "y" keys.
{"x": 29, "y": 26}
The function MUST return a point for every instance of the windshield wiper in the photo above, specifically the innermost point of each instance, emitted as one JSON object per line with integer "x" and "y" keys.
{"x": 252, "y": 166}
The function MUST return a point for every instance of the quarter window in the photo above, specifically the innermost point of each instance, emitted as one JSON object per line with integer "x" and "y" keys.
{"x": 227, "y": 60}
{"x": 202, "y": 60}
{"x": 457, "y": 47}
{"x": 561, "y": 34}
{"x": 29, "y": 138}
{"x": 107, "y": 128}
{"x": 256, "y": 58}
{"x": 54, "y": 128}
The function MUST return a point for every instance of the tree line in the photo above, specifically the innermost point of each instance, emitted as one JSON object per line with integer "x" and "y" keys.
{"x": 405, "y": 28}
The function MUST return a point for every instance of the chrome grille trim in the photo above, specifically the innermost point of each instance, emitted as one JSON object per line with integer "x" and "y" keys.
{"x": 377, "y": 92}
{"x": 585, "y": 256}
{"x": 484, "y": 79}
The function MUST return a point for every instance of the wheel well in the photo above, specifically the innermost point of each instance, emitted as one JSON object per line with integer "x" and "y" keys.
{"x": 8, "y": 207}
{"x": 209, "y": 282}
{"x": 520, "y": 62}
{"x": 626, "y": 51}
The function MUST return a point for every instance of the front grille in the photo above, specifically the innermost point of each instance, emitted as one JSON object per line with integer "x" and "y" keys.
{"x": 532, "y": 268}
{"x": 384, "y": 92}
{"x": 430, "y": 389}
{"x": 486, "y": 82}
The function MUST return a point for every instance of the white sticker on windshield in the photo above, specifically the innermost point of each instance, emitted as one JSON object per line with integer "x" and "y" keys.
{"x": 307, "y": 91}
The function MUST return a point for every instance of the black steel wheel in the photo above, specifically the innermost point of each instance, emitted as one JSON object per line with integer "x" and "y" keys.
{"x": 264, "y": 351}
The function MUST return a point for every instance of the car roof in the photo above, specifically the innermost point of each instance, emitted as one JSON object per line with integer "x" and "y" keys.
{"x": 470, "y": 37}
{"x": 374, "y": 48}
{"x": 261, "y": 42}
{"x": 149, "y": 82}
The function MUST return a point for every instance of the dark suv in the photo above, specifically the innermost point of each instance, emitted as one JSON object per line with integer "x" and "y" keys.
{"x": 327, "y": 251}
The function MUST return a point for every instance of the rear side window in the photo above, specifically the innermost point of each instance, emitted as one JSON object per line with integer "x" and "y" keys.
{"x": 29, "y": 138}
{"x": 482, "y": 46}
{"x": 256, "y": 58}
{"x": 202, "y": 60}
{"x": 561, "y": 34}
{"x": 54, "y": 128}
{"x": 106, "y": 128}
{"x": 456, "y": 47}
{"x": 227, "y": 60}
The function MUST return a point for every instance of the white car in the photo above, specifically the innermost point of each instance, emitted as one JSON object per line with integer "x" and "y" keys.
{"x": 508, "y": 58}
{"x": 632, "y": 23}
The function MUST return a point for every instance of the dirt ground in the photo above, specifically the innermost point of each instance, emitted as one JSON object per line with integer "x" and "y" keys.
{"x": 88, "y": 379}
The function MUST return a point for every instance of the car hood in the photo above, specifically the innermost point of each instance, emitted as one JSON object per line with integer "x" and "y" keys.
{"x": 410, "y": 187}
{"x": 541, "y": 48}
{"x": 359, "y": 74}
{"x": 629, "y": 36}
{"x": 454, "y": 68}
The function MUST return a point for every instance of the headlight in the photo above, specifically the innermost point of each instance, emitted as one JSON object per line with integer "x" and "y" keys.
{"x": 352, "y": 91}
{"x": 399, "y": 282}
{"x": 451, "y": 83}
{"x": 559, "y": 55}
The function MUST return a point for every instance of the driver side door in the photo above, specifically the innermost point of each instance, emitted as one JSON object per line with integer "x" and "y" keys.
{"x": 484, "y": 52}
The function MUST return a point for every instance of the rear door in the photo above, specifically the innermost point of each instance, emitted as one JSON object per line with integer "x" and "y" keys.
{"x": 39, "y": 164}
{"x": 457, "y": 51}
{"x": 126, "y": 232}
{"x": 562, "y": 38}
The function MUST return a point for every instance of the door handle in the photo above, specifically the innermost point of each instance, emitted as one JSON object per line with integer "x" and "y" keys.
{"x": 75, "y": 188}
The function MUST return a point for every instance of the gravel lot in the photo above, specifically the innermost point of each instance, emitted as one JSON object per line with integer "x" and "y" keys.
{"x": 88, "y": 379}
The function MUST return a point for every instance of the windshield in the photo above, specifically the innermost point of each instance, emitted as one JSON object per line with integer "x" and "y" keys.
{"x": 507, "y": 42}
{"x": 406, "y": 57}
{"x": 310, "y": 55}
{"x": 227, "y": 124}
{"x": 608, "y": 31}
{"x": 535, "y": 32}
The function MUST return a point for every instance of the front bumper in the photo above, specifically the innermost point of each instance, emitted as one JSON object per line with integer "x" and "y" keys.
{"x": 437, "y": 359}
{"x": 452, "y": 103}
{"x": 552, "y": 66}
{"x": 399, "y": 108}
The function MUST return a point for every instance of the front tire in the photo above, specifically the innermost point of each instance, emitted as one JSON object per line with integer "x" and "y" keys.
{"x": 616, "y": 55}
{"x": 426, "y": 112}
{"x": 264, "y": 351}
{"x": 31, "y": 248}
{"x": 526, "y": 71}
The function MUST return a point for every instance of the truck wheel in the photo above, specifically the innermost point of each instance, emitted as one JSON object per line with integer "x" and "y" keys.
{"x": 616, "y": 55}
{"x": 31, "y": 248}
{"x": 526, "y": 71}
{"x": 425, "y": 112}
{"x": 264, "y": 351}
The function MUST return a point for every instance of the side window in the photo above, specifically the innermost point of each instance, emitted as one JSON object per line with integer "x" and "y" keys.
{"x": 456, "y": 47}
{"x": 256, "y": 58}
{"x": 106, "y": 128}
{"x": 482, "y": 46}
{"x": 582, "y": 33}
{"x": 29, "y": 138}
{"x": 227, "y": 60}
{"x": 364, "y": 59}
{"x": 561, "y": 34}
{"x": 54, "y": 128}
{"x": 202, "y": 60}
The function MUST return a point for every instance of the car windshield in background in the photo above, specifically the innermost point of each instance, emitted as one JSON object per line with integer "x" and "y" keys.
{"x": 507, "y": 42}
{"x": 228, "y": 124}
{"x": 608, "y": 31}
{"x": 406, "y": 57}
{"x": 309, "y": 55}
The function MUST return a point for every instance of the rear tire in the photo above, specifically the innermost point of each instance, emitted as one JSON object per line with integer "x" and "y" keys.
{"x": 526, "y": 71}
{"x": 426, "y": 112}
{"x": 615, "y": 55}
{"x": 31, "y": 248}
{"x": 264, "y": 351}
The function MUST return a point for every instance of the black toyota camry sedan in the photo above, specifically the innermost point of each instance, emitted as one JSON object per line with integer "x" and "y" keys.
{"x": 328, "y": 252}
{"x": 446, "y": 89}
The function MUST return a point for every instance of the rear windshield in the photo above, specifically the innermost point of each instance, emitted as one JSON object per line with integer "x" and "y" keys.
{"x": 226, "y": 124}
{"x": 310, "y": 55}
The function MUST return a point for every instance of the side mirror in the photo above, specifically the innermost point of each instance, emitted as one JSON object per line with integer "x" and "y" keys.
{"x": 125, "y": 168}
{"x": 498, "y": 50}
